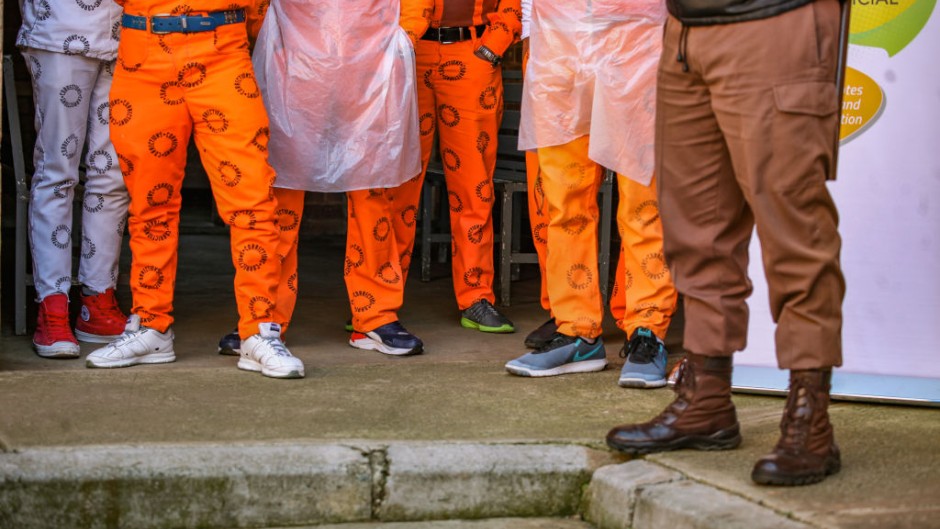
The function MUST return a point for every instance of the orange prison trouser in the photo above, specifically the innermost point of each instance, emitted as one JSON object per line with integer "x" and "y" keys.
{"x": 165, "y": 89}
{"x": 461, "y": 96}
{"x": 376, "y": 259}
{"x": 290, "y": 209}
{"x": 375, "y": 265}
{"x": 643, "y": 293}
{"x": 538, "y": 212}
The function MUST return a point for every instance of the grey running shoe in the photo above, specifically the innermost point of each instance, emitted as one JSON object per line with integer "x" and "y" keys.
{"x": 646, "y": 361}
{"x": 541, "y": 336}
{"x": 563, "y": 354}
{"x": 483, "y": 316}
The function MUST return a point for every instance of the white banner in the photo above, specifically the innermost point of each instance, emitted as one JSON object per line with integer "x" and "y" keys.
{"x": 888, "y": 195}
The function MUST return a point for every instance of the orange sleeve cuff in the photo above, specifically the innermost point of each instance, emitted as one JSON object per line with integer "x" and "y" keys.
{"x": 505, "y": 26}
{"x": 416, "y": 17}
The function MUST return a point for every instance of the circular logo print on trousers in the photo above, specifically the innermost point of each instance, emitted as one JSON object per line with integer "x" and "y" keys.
{"x": 61, "y": 236}
{"x": 252, "y": 257}
{"x": 361, "y": 301}
{"x": 157, "y": 230}
{"x": 449, "y": 115}
{"x": 150, "y": 278}
{"x": 121, "y": 112}
{"x": 388, "y": 274}
{"x": 159, "y": 194}
{"x": 171, "y": 93}
{"x": 409, "y": 216}
{"x": 452, "y": 70}
{"x": 287, "y": 219}
{"x": 191, "y": 75}
{"x": 260, "y": 307}
{"x": 70, "y": 96}
{"x": 242, "y": 219}
{"x": 229, "y": 173}
{"x": 580, "y": 276}
{"x": 473, "y": 277}
{"x": 162, "y": 144}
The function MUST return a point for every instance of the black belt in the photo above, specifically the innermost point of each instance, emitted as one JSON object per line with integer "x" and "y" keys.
{"x": 453, "y": 34}
{"x": 162, "y": 24}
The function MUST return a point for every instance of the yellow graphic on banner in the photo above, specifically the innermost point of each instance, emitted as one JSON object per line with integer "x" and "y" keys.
{"x": 862, "y": 102}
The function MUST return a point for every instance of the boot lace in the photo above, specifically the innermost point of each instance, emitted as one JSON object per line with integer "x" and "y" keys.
{"x": 795, "y": 424}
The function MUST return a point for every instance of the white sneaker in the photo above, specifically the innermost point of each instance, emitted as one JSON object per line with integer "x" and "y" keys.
{"x": 137, "y": 345}
{"x": 265, "y": 352}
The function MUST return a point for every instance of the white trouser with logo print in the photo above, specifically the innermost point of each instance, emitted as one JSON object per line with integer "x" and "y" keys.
{"x": 71, "y": 98}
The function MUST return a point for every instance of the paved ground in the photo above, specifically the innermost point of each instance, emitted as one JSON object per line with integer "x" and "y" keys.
{"x": 456, "y": 392}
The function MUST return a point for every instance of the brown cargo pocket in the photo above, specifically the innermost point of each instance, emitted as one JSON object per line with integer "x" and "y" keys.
{"x": 816, "y": 98}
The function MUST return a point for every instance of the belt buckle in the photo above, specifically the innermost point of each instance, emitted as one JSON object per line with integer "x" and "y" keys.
{"x": 231, "y": 16}
{"x": 161, "y": 15}
{"x": 440, "y": 35}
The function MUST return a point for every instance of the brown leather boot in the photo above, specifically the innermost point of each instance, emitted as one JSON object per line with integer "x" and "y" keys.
{"x": 701, "y": 417}
{"x": 806, "y": 452}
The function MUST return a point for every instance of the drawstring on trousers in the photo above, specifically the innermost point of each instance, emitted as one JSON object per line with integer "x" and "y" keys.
{"x": 683, "y": 55}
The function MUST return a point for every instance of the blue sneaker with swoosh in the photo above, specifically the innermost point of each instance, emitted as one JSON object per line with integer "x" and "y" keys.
{"x": 646, "y": 358}
{"x": 561, "y": 355}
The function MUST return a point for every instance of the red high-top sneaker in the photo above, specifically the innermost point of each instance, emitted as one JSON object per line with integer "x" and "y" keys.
{"x": 100, "y": 320}
{"x": 53, "y": 337}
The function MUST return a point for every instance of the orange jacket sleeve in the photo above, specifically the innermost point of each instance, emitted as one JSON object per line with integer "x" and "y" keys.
{"x": 505, "y": 26}
{"x": 256, "y": 11}
{"x": 416, "y": 17}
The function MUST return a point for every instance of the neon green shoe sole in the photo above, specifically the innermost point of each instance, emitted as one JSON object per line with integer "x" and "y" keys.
{"x": 467, "y": 323}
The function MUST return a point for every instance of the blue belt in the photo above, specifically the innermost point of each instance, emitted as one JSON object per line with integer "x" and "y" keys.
{"x": 161, "y": 24}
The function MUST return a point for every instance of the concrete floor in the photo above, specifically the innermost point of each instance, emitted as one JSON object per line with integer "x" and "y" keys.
{"x": 456, "y": 391}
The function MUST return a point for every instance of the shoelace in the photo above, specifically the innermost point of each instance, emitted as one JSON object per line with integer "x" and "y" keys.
{"x": 107, "y": 303}
{"x": 58, "y": 324}
{"x": 558, "y": 340}
{"x": 640, "y": 350}
{"x": 484, "y": 308}
{"x": 795, "y": 425}
{"x": 277, "y": 345}
{"x": 125, "y": 337}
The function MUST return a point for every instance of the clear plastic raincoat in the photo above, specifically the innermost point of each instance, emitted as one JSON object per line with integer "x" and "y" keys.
{"x": 338, "y": 80}
{"x": 592, "y": 70}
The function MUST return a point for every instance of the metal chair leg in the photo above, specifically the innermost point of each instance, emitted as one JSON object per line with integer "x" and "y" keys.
{"x": 21, "y": 250}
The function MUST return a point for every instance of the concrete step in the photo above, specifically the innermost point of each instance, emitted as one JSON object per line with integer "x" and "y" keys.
{"x": 298, "y": 484}
{"x": 493, "y": 523}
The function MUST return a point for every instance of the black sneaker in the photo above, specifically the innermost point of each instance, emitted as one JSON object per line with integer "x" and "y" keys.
{"x": 483, "y": 316}
{"x": 230, "y": 344}
{"x": 541, "y": 336}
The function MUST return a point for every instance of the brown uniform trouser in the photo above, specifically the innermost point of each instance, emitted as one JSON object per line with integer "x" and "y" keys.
{"x": 745, "y": 137}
